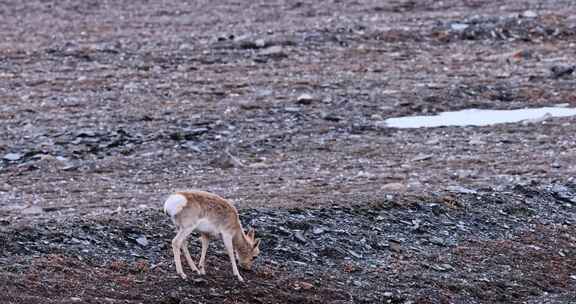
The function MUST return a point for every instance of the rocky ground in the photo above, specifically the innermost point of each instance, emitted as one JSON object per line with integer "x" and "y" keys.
{"x": 106, "y": 107}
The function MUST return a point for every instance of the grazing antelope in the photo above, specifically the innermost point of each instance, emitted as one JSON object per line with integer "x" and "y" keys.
{"x": 211, "y": 215}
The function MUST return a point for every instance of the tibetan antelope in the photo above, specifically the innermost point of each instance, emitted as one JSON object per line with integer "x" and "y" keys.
{"x": 211, "y": 215}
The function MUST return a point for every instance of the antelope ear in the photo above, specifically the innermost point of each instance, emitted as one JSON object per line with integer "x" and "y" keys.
{"x": 256, "y": 243}
{"x": 251, "y": 233}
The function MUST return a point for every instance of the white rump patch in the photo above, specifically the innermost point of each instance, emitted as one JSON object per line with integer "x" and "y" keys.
{"x": 174, "y": 204}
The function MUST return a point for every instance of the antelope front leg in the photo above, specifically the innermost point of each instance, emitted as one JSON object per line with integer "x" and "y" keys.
{"x": 230, "y": 249}
{"x": 204, "y": 238}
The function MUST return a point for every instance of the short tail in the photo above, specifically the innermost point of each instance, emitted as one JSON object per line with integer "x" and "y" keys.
{"x": 174, "y": 204}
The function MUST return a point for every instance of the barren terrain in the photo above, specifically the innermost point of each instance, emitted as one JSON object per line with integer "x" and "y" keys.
{"x": 280, "y": 106}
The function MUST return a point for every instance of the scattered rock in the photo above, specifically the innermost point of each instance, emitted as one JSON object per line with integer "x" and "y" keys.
{"x": 263, "y": 93}
{"x": 305, "y": 99}
{"x": 460, "y": 189}
{"x": 459, "y": 26}
{"x": 331, "y": 117}
{"x": 13, "y": 156}
{"x": 292, "y": 109}
{"x": 358, "y": 283}
{"x": 355, "y": 254}
{"x": 5, "y": 187}
{"x": 132, "y": 86}
{"x": 199, "y": 281}
{"x": 186, "y": 47}
{"x": 476, "y": 141}
{"x": 421, "y": 157}
{"x": 563, "y": 193}
{"x": 32, "y": 210}
{"x": 300, "y": 263}
{"x": 529, "y": 14}
{"x": 442, "y": 267}
{"x": 188, "y": 133}
{"x": 306, "y": 285}
{"x": 318, "y": 230}
{"x": 559, "y": 71}
{"x": 250, "y": 104}
{"x": 142, "y": 241}
{"x": 437, "y": 241}
{"x": 260, "y": 43}
{"x": 275, "y": 51}
{"x": 395, "y": 246}
{"x": 394, "y": 187}
{"x": 299, "y": 235}
{"x": 525, "y": 26}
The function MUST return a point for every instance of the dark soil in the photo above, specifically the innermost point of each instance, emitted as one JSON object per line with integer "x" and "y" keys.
{"x": 107, "y": 107}
{"x": 512, "y": 246}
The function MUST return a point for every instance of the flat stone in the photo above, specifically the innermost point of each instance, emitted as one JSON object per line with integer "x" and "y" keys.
{"x": 142, "y": 241}
{"x": 292, "y": 109}
{"x": 13, "y": 156}
{"x": 260, "y": 43}
{"x": 32, "y": 210}
{"x": 529, "y": 14}
{"x": 299, "y": 235}
{"x": 460, "y": 189}
{"x": 318, "y": 230}
{"x": 421, "y": 157}
{"x": 274, "y": 51}
{"x": 306, "y": 285}
{"x": 459, "y": 26}
{"x": 305, "y": 99}
{"x": 394, "y": 187}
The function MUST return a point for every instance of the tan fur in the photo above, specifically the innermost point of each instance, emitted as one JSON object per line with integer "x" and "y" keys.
{"x": 212, "y": 215}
